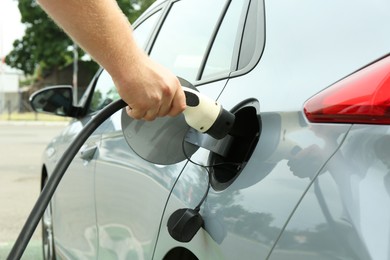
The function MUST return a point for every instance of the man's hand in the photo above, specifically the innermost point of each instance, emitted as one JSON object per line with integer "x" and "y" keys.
{"x": 150, "y": 90}
{"x": 102, "y": 30}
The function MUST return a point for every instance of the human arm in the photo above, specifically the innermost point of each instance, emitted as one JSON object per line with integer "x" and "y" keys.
{"x": 101, "y": 29}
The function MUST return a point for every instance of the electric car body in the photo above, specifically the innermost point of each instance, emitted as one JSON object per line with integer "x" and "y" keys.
{"x": 306, "y": 174}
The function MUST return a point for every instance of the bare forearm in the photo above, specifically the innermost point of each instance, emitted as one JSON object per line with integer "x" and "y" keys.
{"x": 100, "y": 28}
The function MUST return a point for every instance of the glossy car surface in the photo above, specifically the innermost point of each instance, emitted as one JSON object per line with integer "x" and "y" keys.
{"x": 306, "y": 188}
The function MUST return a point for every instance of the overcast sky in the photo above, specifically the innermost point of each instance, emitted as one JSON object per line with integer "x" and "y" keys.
{"x": 10, "y": 26}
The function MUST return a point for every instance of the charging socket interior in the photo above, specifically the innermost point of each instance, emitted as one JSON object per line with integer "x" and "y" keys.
{"x": 245, "y": 135}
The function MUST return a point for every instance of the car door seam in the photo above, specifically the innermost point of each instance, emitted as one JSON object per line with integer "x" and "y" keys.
{"x": 305, "y": 192}
{"x": 165, "y": 207}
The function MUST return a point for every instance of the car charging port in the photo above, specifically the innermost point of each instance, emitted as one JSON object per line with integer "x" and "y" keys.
{"x": 245, "y": 135}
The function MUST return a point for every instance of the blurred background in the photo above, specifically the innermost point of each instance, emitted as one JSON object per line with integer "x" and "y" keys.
{"x": 34, "y": 53}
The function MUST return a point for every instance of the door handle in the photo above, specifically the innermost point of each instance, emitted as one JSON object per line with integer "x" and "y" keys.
{"x": 88, "y": 153}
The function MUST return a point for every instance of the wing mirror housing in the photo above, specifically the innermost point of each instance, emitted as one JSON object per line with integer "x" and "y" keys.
{"x": 55, "y": 100}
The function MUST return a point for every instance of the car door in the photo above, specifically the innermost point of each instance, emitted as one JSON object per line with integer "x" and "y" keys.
{"x": 73, "y": 204}
{"x": 131, "y": 193}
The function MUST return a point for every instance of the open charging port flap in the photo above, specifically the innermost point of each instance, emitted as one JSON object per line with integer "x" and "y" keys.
{"x": 237, "y": 149}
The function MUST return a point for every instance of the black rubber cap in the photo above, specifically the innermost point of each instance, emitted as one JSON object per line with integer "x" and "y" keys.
{"x": 183, "y": 224}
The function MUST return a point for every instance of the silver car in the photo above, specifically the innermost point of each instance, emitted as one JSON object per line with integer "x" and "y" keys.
{"x": 305, "y": 174}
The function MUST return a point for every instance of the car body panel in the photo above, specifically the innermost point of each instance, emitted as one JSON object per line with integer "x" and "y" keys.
{"x": 130, "y": 197}
{"x": 345, "y": 213}
{"x": 247, "y": 217}
{"x": 306, "y": 50}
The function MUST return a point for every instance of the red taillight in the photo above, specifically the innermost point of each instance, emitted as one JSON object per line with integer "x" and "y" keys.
{"x": 363, "y": 97}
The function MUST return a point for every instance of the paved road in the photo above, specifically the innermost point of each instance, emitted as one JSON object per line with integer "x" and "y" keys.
{"x": 21, "y": 147}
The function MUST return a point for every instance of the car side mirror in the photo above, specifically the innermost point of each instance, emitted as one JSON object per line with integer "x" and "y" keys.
{"x": 56, "y": 100}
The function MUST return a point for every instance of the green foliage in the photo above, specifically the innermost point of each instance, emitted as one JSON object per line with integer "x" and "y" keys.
{"x": 45, "y": 45}
{"x": 134, "y": 8}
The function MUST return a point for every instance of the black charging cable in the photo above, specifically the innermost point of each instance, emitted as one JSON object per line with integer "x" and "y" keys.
{"x": 55, "y": 178}
{"x": 184, "y": 223}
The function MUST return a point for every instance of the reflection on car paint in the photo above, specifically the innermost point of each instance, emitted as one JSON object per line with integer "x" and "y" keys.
{"x": 348, "y": 204}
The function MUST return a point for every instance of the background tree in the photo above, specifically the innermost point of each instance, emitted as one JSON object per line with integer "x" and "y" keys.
{"x": 44, "y": 46}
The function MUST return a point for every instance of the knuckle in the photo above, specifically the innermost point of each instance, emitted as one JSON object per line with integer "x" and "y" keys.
{"x": 150, "y": 116}
{"x": 136, "y": 116}
{"x": 166, "y": 91}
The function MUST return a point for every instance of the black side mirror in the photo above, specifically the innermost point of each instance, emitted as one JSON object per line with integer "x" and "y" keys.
{"x": 57, "y": 100}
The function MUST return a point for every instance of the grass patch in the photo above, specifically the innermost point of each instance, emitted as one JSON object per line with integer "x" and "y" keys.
{"x": 31, "y": 116}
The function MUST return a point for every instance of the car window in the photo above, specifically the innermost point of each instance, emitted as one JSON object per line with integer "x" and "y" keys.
{"x": 105, "y": 91}
{"x": 253, "y": 39}
{"x": 219, "y": 61}
{"x": 185, "y": 35}
{"x": 143, "y": 30}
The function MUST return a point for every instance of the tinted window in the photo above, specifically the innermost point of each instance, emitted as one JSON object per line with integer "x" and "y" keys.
{"x": 105, "y": 92}
{"x": 221, "y": 54}
{"x": 254, "y": 38}
{"x": 186, "y": 34}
